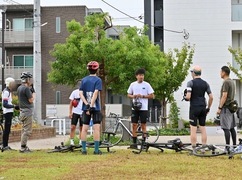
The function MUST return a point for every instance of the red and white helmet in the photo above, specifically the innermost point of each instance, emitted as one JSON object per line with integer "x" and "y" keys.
{"x": 93, "y": 65}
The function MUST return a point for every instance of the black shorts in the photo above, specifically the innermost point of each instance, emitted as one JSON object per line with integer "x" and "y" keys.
{"x": 197, "y": 113}
{"x": 75, "y": 118}
{"x": 96, "y": 117}
{"x": 139, "y": 115}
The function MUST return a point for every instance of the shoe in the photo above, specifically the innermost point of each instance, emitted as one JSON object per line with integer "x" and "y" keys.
{"x": 6, "y": 148}
{"x": 84, "y": 152}
{"x": 25, "y": 150}
{"x": 133, "y": 146}
{"x": 97, "y": 153}
{"x": 72, "y": 142}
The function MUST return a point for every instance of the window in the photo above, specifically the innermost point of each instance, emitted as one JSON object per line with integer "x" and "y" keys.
{"x": 23, "y": 24}
{"x": 23, "y": 61}
{"x": 58, "y": 25}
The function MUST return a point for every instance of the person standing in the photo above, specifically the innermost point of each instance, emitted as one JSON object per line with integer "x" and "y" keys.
{"x": 196, "y": 90}
{"x": 89, "y": 92}
{"x": 75, "y": 113}
{"x": 139, "y": 91}
{"x": 8, "y": 109}
{"x": 227, "y": 119}
{"x": 26, "y": 95}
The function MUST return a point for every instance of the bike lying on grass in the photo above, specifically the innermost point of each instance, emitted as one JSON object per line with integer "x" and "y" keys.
{"x": 175, "y": 144}
{"x": 218, "y": 150}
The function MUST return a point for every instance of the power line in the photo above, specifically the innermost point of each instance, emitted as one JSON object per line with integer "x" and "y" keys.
{"x": 186, "y": 34}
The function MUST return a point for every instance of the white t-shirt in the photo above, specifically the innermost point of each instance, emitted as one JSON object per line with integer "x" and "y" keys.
{"x": 75, "y": 95}
{"x": 6, "y": 95}
{"x": 143, "y": 88}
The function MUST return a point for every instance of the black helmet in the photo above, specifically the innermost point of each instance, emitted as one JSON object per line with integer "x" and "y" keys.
{"x": 217, "y": 120}
{"x": 136, "y": 105}
{"x": 25, "y": 75}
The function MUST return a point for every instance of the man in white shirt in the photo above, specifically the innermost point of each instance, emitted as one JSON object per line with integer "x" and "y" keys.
{"x": 75, "y": 114}
{"x": 139, "y": 91}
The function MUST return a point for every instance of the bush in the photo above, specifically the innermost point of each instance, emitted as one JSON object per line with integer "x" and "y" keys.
{"x": 174, "y": 114}
{"x": 173, "y": 132}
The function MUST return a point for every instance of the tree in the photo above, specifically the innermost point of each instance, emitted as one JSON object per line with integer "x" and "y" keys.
{"x": 176, "y": 64}
{"x": 118, "y": 59}
{"x": 237, "y": 54}
{"x": 174, "y": 114}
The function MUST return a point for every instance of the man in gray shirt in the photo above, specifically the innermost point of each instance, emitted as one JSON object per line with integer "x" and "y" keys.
{"x": 26, "y": 94}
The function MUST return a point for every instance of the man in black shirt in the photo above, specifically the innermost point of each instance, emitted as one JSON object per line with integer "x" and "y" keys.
{"x": 196, "y": 90}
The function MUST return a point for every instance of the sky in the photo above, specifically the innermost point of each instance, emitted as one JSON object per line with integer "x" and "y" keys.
{"x": 134, "y": 8}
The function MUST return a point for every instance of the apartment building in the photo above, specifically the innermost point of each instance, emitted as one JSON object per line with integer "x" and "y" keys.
{"x": 213, "y": 26}
{"x": 19, "y": 44}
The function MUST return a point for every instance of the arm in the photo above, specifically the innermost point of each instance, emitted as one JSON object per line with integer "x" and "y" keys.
{"x": 6, "y": 105}
{"x": 70, "y": 109}
{"x": 210, "y": 100}
{"x": 149, "y": 96}
{"x": 31, "y": 100}
{"x": 189, "y": 91}
{"x": 94, "y": 97}
{"x": 83, "y": 98}
{"x": 223, "y": 99}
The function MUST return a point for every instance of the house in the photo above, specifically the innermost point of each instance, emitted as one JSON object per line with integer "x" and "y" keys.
{"x": 19, "y": 45}
{"x": 213, "y": 26}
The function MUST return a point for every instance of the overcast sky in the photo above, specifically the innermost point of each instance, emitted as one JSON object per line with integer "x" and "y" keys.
{"x": 134, "y": 8}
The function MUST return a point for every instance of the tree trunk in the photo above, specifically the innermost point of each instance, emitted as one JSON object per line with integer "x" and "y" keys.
{"x": 103, "y": 102}
{"x": 164, "y": 118}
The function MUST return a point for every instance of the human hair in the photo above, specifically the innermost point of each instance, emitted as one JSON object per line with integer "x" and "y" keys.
{"x": 91, "y": 71}
{"x": 140, "y": 71}
{"x": 226, "y": 70}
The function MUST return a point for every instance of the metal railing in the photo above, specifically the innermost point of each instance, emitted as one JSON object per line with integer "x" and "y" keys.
{"x": 15, "y": 71}
{"x": 11, "y": 36}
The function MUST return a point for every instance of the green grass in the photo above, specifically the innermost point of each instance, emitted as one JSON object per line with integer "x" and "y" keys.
{"x": 122, "y": 164}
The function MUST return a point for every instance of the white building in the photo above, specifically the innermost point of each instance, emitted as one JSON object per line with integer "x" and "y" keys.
{"x": 213, "y": 25}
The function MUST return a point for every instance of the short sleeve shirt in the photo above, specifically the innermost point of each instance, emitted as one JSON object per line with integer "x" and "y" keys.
{"x": 143, "y": 88}
{"x": 89, "y": 85}
{"x": 229, "y": 87}
{"x": 7, "y": 95}
{"x": 76, "y": 95}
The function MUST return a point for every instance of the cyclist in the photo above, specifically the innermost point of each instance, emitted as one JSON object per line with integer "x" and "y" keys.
{"x": 227, "y": 119}
{"x": 139, "y": 91}
{"x": 8, "y": 109}
{"x": 89, "y": 92}
{"x": 26, "y": 95}
{"x": 75, "y": 113}
{"x": 196, "y": 90}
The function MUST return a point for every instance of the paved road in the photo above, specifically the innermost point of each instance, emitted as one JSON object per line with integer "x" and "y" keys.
{"x": 50, "y": 143}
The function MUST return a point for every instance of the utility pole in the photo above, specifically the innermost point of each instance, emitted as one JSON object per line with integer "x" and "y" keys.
{"x": 37, "y": 62}
{"x": 3, "y": 46}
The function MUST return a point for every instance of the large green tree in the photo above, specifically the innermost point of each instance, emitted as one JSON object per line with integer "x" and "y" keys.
{"x": 237, "y": 55}
{"x": 176, "y": 63}
{"x": 118, "y": 59}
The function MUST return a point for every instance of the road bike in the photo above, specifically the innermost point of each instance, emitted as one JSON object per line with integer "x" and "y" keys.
{"x": 114, "y": 134}
{"x": 174, "y": 144}
{"x": 218, "y": 150}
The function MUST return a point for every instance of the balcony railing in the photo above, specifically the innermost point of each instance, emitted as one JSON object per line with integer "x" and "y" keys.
{"x": 15, "y": 72}
{"x": 11, "y": 36}
{"x": 236, "y": 12}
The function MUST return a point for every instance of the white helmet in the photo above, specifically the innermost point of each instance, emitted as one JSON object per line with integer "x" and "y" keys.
{"x": 8, "y": 81}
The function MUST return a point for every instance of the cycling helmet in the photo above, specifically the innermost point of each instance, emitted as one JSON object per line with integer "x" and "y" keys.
{"x": 74, "y": 103}
{"x": 136, "y": 105}
{"x": 93, "y": 65}
{"x": 8, "y": 81}
{"x": 217, "y": 120}
{"x": 25, "y": 75}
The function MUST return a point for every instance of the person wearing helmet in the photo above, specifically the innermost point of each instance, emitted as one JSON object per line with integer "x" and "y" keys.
{"x": 139, "y": 91}
{"x": 199, "y": 108}
{"x": 8, "y": 109}
{"x": 89, "y": 92}
{"x": 26, "y": 95}
{"x": 75, "y": 113}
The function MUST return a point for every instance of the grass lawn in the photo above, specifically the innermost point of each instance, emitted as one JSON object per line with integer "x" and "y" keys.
{"x": 122, "y": 164}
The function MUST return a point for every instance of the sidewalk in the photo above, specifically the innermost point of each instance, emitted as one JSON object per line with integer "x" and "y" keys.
{"x": 50, "y": 143}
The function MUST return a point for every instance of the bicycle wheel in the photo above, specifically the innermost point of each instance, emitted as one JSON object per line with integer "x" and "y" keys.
{"x": 113, "y": 135}
{"x": 1, "y": 134}
{"x": 153, "y": 132}
{"x": 209, "y": 151}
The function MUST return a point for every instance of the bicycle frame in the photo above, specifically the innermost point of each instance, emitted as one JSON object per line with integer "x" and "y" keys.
{"x": 119, "y": 122}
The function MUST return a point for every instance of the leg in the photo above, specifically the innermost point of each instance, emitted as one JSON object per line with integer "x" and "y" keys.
{"x": 193, "y": 135}
{"x": 97, "y": 119}
{"x": 80, "y": 128}
{"x": 204, "y": 134}
{"x": 134, "y": 121}
{"x": 74, "y": 121}
{"x": 7, "y": 128}
{"x": 26, "y": 130}
{"x": 193, "y": 125}
{"x": 202, "y": 122}
{"x": 233, "y": 134}
{"x": 227, "y": 136}
{"x": 143, "y": 118}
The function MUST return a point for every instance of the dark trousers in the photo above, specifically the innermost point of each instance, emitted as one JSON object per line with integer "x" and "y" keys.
{"x": 7, "y": 128}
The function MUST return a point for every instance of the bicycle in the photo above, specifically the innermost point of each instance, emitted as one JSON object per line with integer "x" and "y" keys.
{"x": 218, "y": 150}
{"x": 175, "y": 144}
{"x": 114, "y": 134}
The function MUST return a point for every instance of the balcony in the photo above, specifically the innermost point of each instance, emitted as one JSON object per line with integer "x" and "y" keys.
{"x": 236, "y": 12}
{"x": 17, "y": 38}
{"x": 15, "y": 72}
